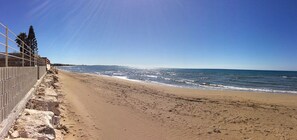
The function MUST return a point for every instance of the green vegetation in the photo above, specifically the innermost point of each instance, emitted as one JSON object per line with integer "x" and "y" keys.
{"x": 30, "y": 40}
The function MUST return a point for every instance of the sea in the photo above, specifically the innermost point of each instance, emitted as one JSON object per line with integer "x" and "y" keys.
{"x": 210, "y": 79}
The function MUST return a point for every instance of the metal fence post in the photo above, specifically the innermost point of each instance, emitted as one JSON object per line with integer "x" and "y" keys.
{"x": 6, "y": 47}
{"x": 30, "y": 58}
{"x": 23, "y": 61}
{"x": 35, "y": 59}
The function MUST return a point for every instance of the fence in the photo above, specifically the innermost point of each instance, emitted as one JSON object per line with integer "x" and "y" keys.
{"x": 20, "y": 68}
{"x": 15, "y": 52}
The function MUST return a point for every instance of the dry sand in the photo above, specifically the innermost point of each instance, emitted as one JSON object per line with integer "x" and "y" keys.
{"x": 101, "y": 107}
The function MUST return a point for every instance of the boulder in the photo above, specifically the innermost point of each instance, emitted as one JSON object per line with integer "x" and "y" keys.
{"x": 20, "y": 139}
{"x": 35, "y": 124}
{"x": 55, "y": 78}
{"x": 56, "y": 85}
{"x": 50, "y": 92}
{"x": 59, "y": 135}
{"x": 56, "y": 120}
{"x": 15, "y": 134}
{"x": 48, "y": 82}
{"x": 44, "y": 103}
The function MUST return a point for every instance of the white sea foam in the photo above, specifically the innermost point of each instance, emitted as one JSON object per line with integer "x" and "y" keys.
{"x": 168, "y": 79}
{"x": 118, "y": 74}
{"x": 98, "y": 73}
{"x": 171, "y": 73}
{"x": 210, "y": 86}
{"x": 126, "y": 78}
{"x": 185, "y": 81}
{"x": 121, "y": 77}
{"x": 284, "y": 77}
{"x": 152, "y": 76}
{"x": 177, "y": 79}
{"x": 222, "y": 87}
{"x": 159, "y": 83}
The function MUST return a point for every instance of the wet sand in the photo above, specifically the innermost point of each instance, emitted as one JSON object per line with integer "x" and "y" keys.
{"x": 101, "y": 107}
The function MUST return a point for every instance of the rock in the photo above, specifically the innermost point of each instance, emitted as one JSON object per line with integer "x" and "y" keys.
{"x": 20, "y": 139}
{"x": 50, "y": 92}
{"x": 50, "y": 71}
{"x": 56, "y": 120}
{"x": 23, "y": 134}
{"x": 42, "y": 85}
{"x": 55, "y": 78}
{"x": 63, "y": 128}
{"x": 43, "y": 138}
{"x": 15, "y": 134}
{"x": 40, "y": 91}
{"x": 56, "y": 71}
{"x": 217, "y": 130}
{"x": 59, "y": 135}
{"x": 44, "y": 103}
{"x": 36, "y": 124}
{"x": 56, "y": 85}
{"x": 48, "y": 82}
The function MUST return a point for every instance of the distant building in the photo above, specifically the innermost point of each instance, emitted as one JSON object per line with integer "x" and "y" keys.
{"x": 47, "y": 62}
{"x": 15, "y": 60}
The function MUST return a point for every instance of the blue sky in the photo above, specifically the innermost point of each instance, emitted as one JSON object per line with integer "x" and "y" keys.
{"x": 240, "y": 34}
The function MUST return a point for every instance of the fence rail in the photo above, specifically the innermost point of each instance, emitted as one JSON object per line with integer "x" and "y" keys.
{"x": 20, "y": 70}
{"x": 14, "y": 54}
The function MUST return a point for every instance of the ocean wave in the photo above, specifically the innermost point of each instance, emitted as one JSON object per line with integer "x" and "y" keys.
{"x": 288, "y": 77}
{"x": 187, "y": 81}
{"x": 261, "y": 81}
{"x": 118, "y": 74}
{"x": 171, "y": 73}
{"x": 168, "y": 79}
{"x": 151, "y": 76}
{"x": 126, "y": 78}
{"x": 121, "y": 77}
{"x": 285, "y": 77}
{"x": 222, "y": 87}
{"x": 98, "y": 73}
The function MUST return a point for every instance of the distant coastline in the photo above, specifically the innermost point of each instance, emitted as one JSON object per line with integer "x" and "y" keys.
{"x": 190, "y": 68}
{"x": 60, "y": 64}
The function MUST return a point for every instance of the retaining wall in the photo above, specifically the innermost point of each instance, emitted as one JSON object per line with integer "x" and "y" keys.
{"x": 41, "y": 71}
{"x": 15, "y": 83}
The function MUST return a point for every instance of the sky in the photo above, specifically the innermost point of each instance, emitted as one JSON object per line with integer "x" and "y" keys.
{"x": 228, "y": 34}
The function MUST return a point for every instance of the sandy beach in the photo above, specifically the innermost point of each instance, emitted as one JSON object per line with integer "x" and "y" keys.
{"x": 101, "y": 107}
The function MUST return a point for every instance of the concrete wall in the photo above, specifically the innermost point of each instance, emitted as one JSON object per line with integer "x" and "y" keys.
{"x": 41, "y": 71}
{"x": 48, "y": 66}
{"x": 15, "y": 83}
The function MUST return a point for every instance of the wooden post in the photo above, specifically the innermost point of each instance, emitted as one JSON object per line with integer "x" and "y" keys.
{"x": 6, "y": 47}
{"x": 23, "y": 48}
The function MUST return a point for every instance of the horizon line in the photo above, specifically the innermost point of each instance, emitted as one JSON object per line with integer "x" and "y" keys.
{"x": 160, "y": 67}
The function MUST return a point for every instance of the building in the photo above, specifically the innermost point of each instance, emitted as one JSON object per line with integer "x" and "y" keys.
{"x": 47, "y": 62}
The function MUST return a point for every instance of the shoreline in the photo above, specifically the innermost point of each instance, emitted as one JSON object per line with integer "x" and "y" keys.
{"x": 195, "y": 88}
{"x": 112, "y": 108}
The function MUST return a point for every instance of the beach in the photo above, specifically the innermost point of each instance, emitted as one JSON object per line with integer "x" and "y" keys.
{"x": 102, "y": 107}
